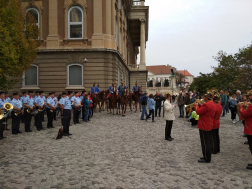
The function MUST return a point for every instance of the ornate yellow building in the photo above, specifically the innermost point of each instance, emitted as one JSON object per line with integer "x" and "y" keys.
{"x": 87, "y": 41}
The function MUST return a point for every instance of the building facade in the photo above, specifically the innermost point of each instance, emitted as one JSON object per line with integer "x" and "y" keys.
{"x": 87, "y": 41}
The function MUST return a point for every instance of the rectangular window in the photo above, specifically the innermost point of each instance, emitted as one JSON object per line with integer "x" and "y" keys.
{"x": 75, "y": 31}
{"x": 75, "y": 75}
{"x": 31, "y": 76}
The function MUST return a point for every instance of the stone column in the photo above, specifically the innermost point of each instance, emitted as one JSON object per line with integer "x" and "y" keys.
{"x": 142, "y": 2}
{"x": 53, "y": 36}
{"x": 142, "y": 65}
{"x": 97, "y": 38}
{"x": 108, "y": 40}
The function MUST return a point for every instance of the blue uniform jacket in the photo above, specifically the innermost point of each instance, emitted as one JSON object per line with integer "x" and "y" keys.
{"x": 120, "y": 89}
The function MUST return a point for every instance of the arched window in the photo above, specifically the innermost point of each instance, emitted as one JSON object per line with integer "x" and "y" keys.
{"x": 34, "y": 12}
{"x": 30, "y": 77}
{"x": 75, "y": 75}
{"x": 75, "y": 23}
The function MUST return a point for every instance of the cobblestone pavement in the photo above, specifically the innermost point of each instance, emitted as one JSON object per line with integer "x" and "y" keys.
{"x": 123, "y": 152}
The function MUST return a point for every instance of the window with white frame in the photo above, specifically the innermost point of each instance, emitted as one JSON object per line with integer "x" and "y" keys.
{"x": 75, "y": 75}
{"x": 116, "y": 29}
{"x": 30, "y": 77}
{"x": 35, "y": 13}
{"x": 75, "y": 23}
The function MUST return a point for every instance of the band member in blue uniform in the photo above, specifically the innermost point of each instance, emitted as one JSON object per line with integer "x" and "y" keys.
{"x": 61, "y": 104}
{"x": 121, "y": 89}
{"x": 7, "y": 98}
{"x": 39, "y": 103}
{"x": 43, "y": 112}
{"x": 56, "y": 102}
{"x": 76, "y": 107}
{"x": 34, "y": 100}
{"x": 50, "y": 108}
{"x": 17, "y": 108}
{"x": 111, "y": 89}
{"x": 67, "y": 113}
{"x": 24, "y": 94}
{"x": 28, "y": 106}
{"x": 2, "y": 95}
{"x": 97, "y": 89}
{"x": 81, "y": 99}
{"x": 93, "y": 91}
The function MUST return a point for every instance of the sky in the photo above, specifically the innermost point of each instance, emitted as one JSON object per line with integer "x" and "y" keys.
{"x": 188, "y": 33}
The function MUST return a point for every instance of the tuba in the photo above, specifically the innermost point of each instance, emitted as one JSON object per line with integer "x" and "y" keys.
{"x": 8, "y": 106}
{"x": 1, "y": 114}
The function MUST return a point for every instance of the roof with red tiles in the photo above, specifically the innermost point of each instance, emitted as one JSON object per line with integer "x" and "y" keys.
{"x": 185, "y": 73}
{"x": 160, "y": 69}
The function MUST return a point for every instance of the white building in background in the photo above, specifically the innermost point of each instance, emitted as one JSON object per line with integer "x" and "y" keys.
{"x": 159, "y": 73}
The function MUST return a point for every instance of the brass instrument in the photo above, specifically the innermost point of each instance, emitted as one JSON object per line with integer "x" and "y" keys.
{"x": 8, "y": 106}
{"x": 56, "y": 105}
{"x": 40, "y": 110}
{"x": 1, "y": 114}
{"x": 33, "y": 111}
{"x": 200, "y": 101}
{"x": 19, "y": 112}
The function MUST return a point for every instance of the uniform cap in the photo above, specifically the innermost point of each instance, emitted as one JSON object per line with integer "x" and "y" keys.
{"x": 40, "y": 92}
{"x": 37, "y": 92}
{"x": 2, "y": 92}
{"x": 51, "y": 93}
{"x": 63, "y": 93}
{"x": 83, "y": 91}
{"x": 209, "y": 95}
{"x": 30, "y": 91}
{"x": 24, "y": 92}
{"x": 69, "y": 92}
{"x": 76, "y": 92}
{"x": 15, "y": 94}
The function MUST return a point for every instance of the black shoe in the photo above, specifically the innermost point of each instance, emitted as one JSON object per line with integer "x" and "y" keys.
{"x": 48, "y": 127}
{"x": 153, "y": 121}
{"x": 244, "y": 135}
{"x": 19, "y": 132}
{"x": 214, "y": 152}
{"x": 52, "y": 127}
{"x": 249, "y": 164}
{"x": 39, "y": 129}
{"x": 42, "y": 128}
{"x": 249, "y": 167}
{"x": 7, "y": 129}
{"x": 30, "y": 130}
{"x": 202, "y": 158}
{"x": 203, "y": 161}
{"x": 246, "y": 142}
{"x": 69, "y": 134}
{"x": 65, "y": 134}
{"x": 142, "y": 119}
{"x": 170, "y": 139}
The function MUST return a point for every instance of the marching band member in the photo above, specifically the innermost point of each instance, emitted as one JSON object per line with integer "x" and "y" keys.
{"x": 76, "y": 103}
{"x": 50, "y": 105}
{"x": 67, "y": 113}
{"x": 17, "y": 107}
{"x": 121, "y": 89}
{"x": 43, "y": 112}
{"x": 40, "y": 104}
{"x": 34, "y": 100}
{"x": 247, "y": 115}
{"x": 82, "y": 98}
{"x": 6, "y": 100}
{"x": 28, "y": 105}
{"x": 24, "y": 94}
{"x": 97, "y": 89}
{"x": 205, "y": 124}
{"x": 2, "y": 95}
{"x": 56, "y": 102}
{"x": 216, "y": 125}
{"x": 111, "y": 89}
{"x": 61, "y": 104}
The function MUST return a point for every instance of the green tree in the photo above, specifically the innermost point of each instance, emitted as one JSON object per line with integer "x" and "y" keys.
{"x": 202, "y": 83}
{"x": 18, "y": 42}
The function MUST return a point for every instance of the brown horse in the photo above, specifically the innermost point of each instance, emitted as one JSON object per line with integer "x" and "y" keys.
{"x": 112, "y": 102}
{"x": 130, "y": 100}
{"x": 123, "y": 102}
{"x": 136, "y": 98}
{"x": 98, "y": 99}
{"x": 104, "y": 100}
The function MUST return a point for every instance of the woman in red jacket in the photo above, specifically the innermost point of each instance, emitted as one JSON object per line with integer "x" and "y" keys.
{"x": 216, "y": 125}
{"x": 205, "y": 124}
{"x": 247, "y": 115}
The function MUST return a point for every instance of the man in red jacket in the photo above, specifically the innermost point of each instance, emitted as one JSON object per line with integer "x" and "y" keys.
{"x": 205, "y": 124}
{"x": 216, "y": 125}
{"x": 247, "y": 115}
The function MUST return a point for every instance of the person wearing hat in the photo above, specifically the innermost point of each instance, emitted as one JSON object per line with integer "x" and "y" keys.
{"x": 93, "y": 90}
{"x": 40, "y": 105}
{"x": 121, "y": 89}
{"x": 76, "y": 101}
{"x": 56, "y": 106}
{"x": 67, "y": 113}
{"x": 2, "y": 95}
{"x": 168, "y": 116}
{"x": 34, "y": 100}
{"x": 6, "y": 100}
{"x": 97, "y": 89}
{"x": 17, "y": 107}
{"x": 22, "y": 98}
{"x": 111, "y": 89}
{"x": 28, "y": 105}
{"x": 205, "y": 124}
{"x": 82, "y": 98}
{"x": 216, "y": 125}
{"x": 247, "y": 115}
{"x": 50, "y": 106}
{"x": 61, "y": 105}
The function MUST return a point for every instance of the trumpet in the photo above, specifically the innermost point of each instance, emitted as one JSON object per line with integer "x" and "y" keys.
{"x": 1, "y": 114}
{"x": 200, "y": 101}
{"x": 19, "y": 112}
{"x": 40, "y": 110}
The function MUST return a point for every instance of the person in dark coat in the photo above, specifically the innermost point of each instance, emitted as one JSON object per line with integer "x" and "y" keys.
{"x": 158, "y": 98}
